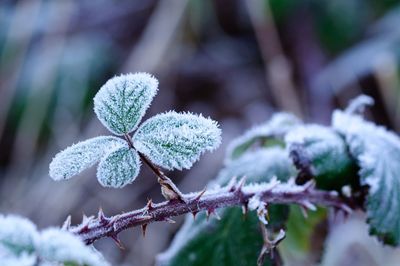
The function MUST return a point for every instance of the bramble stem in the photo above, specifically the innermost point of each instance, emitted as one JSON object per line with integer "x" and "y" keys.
{"x": 92, "y": 229}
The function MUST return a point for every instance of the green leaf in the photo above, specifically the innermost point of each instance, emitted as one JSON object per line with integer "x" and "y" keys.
{"x": 82, "y": 155}
{"x": 259, "y": 166}
{"x": 301, "y": 236}
{"x": 176, "y": 140}
{"x": 121, "y": 103}
{"x": 270, "y": 133}
{"x": 320, "y": 152}
{"x": 235, "y": 239}
{"x": 378, "y": 154}
{"x": 119, "y": 168}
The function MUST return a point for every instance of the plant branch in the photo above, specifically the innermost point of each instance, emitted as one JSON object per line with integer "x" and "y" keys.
{"x": 168, "y": 188}
{"x": 236, "y": 194}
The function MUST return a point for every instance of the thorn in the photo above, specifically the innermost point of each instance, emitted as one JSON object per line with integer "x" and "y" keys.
{"x": 149, "y": 204}
{"x": 244, "y": 209}
{"x": 67, "y": 223}
{"x": 217, "y": 215}
{"x": 232, "y": 184}
{"x": 117, "y": 241}
{"x": 194, "y": 213}
{"x": 201, "y": 193}
{"x": 308, "y": 205}
{"x": 209, "y": 212}
{"x": 304, "y": 211}
{"x": 169, "y": 220}
{"x": 144, "y": 227}
{"x": 240, "y": 184}
{"x": 101, "y": 216}
{"x": 309, "y": 185}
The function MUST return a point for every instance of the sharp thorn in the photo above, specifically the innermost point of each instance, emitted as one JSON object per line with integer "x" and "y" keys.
{"x": 244, "y": 209}
{"x": 144, "y": 227}
{"x": 308, "y": 205}
{"x": 194, "y": 213}
{"x": 117, "y": 241}
{"x": 304, "y": 211}
{"x": 67, "y": 223}
{"x": 201, "y": 193}
{"x": 232, "y": 184}
{"x": 240, "y": 184}
{"x": 149, "y": 204}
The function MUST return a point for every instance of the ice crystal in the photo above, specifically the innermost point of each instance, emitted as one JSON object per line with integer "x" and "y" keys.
{"x": 273, "y": 130}
{"x": 17, "y": 234}
{"x": 176, "y": 140}
{"x": 121, "y": 103}
{"x": 82, "y": 155}
{"x": 56, "y": 245}
{"x": 118, "y": 168}
{"x": 378, "y": 154}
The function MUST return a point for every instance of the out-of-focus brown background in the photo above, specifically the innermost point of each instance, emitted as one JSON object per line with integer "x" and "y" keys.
{"x": 237, "y": 61}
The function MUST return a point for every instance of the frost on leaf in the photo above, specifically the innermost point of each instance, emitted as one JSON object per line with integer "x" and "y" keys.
{"x": 118, "y": 168}
{"x": 17, "y": 235}
{"x": 121, "y": 103}
{"x": 176, "y": 140}
{"x": 266, "y": 134}
{"x": 378, "y": 154}
{"x": 61, "y": 246}
{"x": 82, "y": 155}
{"x": 258, "y": 166}
{"x": 320, "y": 152}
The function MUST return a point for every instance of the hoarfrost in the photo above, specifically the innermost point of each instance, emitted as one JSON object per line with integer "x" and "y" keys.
{"x": 82, "y": 155}
{"x": 378, "y": 154}
{"x": 17, "y": 234}
{"x": 121, "y": 103}
{"x": 118, "y": 168}
{"x": 61, "y": 246}
{"x": 275, "y": 128}
{"x": 176, "y": 140}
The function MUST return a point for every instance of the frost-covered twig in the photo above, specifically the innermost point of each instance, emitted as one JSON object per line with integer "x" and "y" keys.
{"x": 237, "y": 194}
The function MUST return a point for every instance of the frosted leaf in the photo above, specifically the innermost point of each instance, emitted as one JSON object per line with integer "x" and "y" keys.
{"x": 121, "y": 103}
{"x": 270, "y": 132}
{"x": 260, "y": 165}
{"x": 56, "y": 245}
{"x": 118, "y": 168}
{"x": 378, "y": 154}
{"x": 17, "y": 234}
{"x": 320, "y": 152}
{"x": 176, "y": 140}
{"x": 23, "y": 259}
{"x": 82, "y": 155}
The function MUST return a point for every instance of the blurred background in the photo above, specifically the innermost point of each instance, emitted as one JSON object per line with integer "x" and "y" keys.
{"x": 237, "y": 61}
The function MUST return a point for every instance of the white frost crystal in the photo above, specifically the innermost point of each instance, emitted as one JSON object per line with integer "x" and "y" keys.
{"x": 17, "y": 234}
{"x": 273, "y": 129}
{"x": 121, "y": 103}
{"x": 176, "y": 140}
{"x": 378, "y": 154}
{"x": 82, "y": 155}
{"x": 56, "y": 245}
{"x": 118, "y": 168}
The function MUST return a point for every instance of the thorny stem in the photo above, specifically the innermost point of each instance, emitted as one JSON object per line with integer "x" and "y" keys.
{"x": 168, "y": 188}
{"x": 92, "y": 229}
